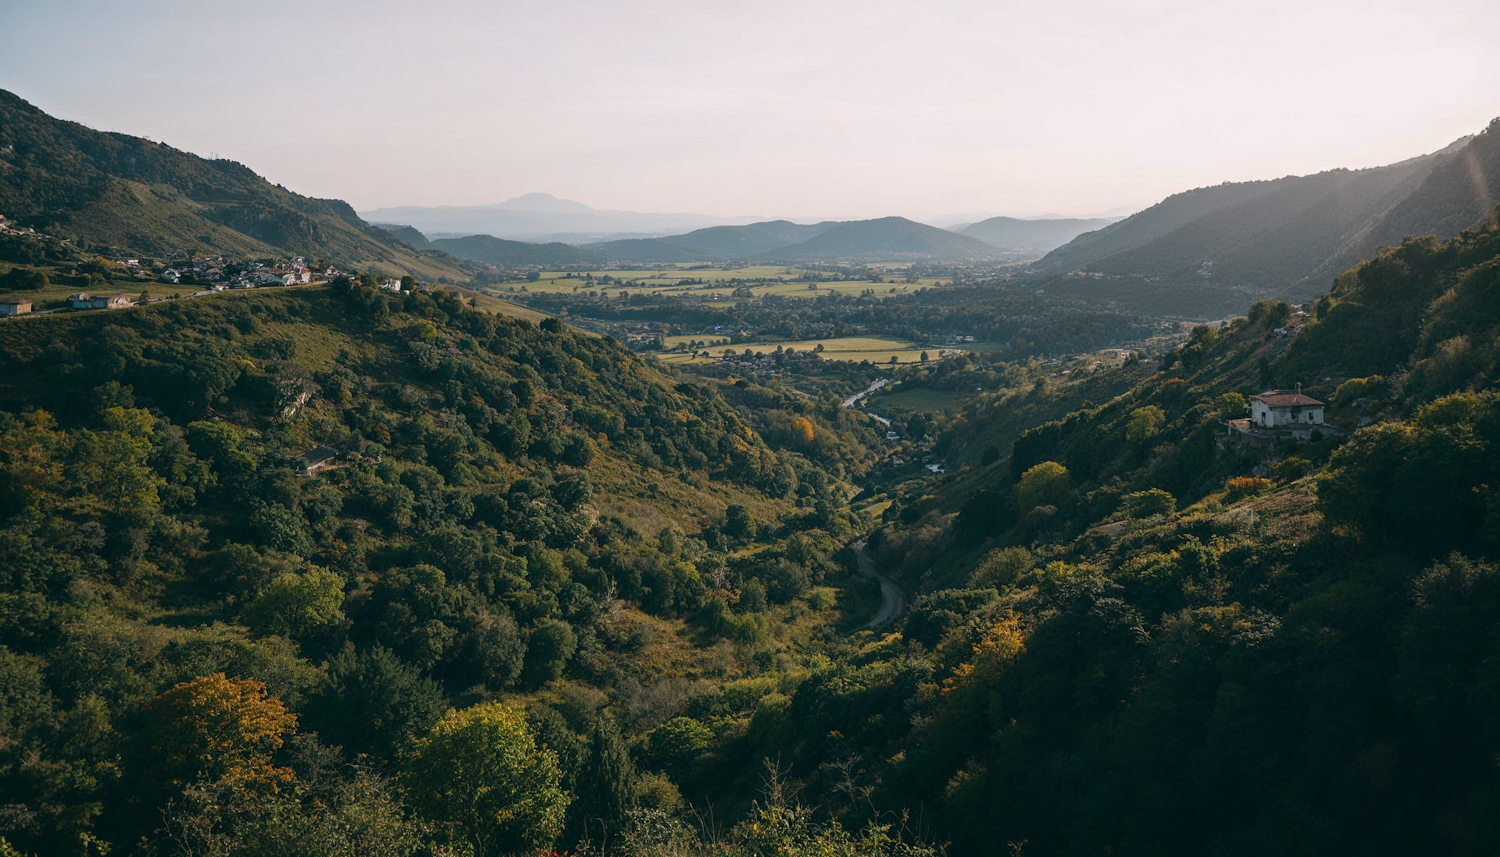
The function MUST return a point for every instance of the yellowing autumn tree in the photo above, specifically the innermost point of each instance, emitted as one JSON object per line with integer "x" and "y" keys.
{"x": 802, "y": 430}
{"x": 224, "y": 728}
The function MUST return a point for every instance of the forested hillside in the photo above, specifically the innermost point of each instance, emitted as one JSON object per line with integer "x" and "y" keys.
{"x": 359, "y": 568}
{"x": 107, "y": 190}
{"x": 1141, "y": 636}
{"x": 205, "y": 650}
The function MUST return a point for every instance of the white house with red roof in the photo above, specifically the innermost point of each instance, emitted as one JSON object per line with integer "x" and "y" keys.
{"x": 1275, "y": 408}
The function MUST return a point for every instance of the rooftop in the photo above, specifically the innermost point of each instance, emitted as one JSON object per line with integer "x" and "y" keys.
{"x": 1285, "y": 399}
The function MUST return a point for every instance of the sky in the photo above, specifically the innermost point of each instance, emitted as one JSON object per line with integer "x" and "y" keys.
{"x": 801, "y": 109}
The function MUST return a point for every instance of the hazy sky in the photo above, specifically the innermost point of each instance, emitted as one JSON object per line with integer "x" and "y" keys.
{"x": 802, "y": 108}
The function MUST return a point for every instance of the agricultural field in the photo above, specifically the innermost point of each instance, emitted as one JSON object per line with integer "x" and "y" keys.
{"x": 918, "y": 399}
{"x": 717, "y": 284}
{"x": 851, "y": 349}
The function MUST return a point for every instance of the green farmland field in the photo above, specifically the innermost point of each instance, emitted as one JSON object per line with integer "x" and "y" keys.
{"x": 853, "y": 349}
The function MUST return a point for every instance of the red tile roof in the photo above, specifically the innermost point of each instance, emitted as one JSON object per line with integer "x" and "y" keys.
{"x": 1285, "y": 399}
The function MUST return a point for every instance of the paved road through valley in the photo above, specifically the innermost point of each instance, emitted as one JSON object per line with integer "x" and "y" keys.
{"x": 892, "y": 600}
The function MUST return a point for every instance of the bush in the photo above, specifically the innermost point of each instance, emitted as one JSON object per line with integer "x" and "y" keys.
{"x": 1354, "y": 389}
{"x": 1046, "y": 484}
{"x": 551, "y": 646}
{"x": 23, "y": 280}
{"x": 295, "y": 605}
{"x": 373, "y": 702}
{"x": 1230, "y": 406}
{"x": 1241, "y": 487}
{"x": 1145, "y": 423}
{"x": 1001, "y": 567}
{"x": 1154, "y": 501}
{"x": 1270, "y": 314}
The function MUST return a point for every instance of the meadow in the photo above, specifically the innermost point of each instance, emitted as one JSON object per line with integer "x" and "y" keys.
{"x": 918, "y": 399}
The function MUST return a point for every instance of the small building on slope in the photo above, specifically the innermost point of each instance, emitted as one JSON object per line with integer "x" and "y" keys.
{"x": 1277, "y": 408}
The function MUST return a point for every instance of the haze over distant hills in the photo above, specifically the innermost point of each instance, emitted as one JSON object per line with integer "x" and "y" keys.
{"x": 1016, "y": 235}
{"x": 885, "y": 239}
{"x": 543, "y": 217}
{"x": 1293, "y": 235}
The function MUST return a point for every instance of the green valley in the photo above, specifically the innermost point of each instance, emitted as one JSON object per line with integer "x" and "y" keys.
{"x": 331, "y": 538}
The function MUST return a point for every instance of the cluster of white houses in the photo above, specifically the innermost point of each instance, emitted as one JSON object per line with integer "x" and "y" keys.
{"x": 209, "y": 270}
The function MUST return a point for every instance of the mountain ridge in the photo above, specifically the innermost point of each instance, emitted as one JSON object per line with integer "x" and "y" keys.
{"x": 511, "y": 255}
{"x": 139, "y": 196}
{"x": 1291, "y": 235}
{"x": 885, "y": 238}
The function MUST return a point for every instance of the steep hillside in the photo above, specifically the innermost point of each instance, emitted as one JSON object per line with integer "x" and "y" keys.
{"x": 114, "y": 190}
{"x": 1135, "y": 610}
{"x": 509, "y": 515}
{"x": 1014, "y": 234}
{"x": 1454, "y": 196}
{"x": 513, "y": 255}
{"x": 716, "y": 243}
{"x": 1271, "y": 237}
{"x": 884, "y": 238}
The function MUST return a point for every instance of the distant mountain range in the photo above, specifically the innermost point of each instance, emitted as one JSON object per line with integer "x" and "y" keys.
{"x": 1293, "y": 235}
{"x": 111, "y": 190}
{"x": 513, "y": 255}
{"x": 715, "y": 243}
{"x": 1015, "y": 235}
{"x": 883, "y": 239}
{"x": 543, "y": 217}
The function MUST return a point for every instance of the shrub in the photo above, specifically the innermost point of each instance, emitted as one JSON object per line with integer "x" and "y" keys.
{"x": 1154, "y": 501}
{"x": 1241, "y": 487}
{"x": 1230, "y": 406}
{"x": 1145, "y": 423}
{"x": 23, "y": 279}
{"x": 1046, "y": 484}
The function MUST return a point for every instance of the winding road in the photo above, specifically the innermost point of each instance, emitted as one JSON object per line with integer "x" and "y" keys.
{"x": 892, "y": 600}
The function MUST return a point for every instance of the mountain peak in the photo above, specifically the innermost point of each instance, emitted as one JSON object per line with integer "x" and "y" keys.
{"x": 544, "y": 202}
